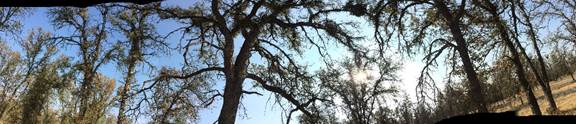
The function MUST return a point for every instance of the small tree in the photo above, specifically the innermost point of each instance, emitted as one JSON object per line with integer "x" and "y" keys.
{"x": 142, "y": 41}
{"x": 89, "y": 35}
{"x": 361, "y": 92}
{"x": 47, "y": 75}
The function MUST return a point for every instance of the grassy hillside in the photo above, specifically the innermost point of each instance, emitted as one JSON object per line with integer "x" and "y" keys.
{"x": 564, "y": 90}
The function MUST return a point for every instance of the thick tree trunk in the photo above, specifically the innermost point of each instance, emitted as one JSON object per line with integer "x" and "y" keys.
{"x": 235, "y": 73}
{"x": 474, "y": 83}
{"x": 232, "y": 93}
{"x": 233, "y": 88}
{"x": 231, "y": 97}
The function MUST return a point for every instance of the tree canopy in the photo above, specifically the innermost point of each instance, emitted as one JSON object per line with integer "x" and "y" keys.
{"x": 322, "y": 61}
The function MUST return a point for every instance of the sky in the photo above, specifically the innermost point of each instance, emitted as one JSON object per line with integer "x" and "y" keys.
{"x": 258, "y": 109}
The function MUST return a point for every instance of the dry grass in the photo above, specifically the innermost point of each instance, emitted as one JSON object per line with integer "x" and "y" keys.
{"x": 564, "y": 91}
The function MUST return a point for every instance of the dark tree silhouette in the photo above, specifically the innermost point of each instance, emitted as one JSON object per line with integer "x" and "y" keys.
{"x": 543, "y": 76}
{"x": 438, "y": 14}
{"x": 502, "y": 29}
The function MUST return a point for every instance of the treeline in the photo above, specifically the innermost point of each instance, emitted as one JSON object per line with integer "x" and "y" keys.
{"x": 492, "y": 51}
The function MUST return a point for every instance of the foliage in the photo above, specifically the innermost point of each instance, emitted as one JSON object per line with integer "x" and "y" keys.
{"x": 490, "y": 50}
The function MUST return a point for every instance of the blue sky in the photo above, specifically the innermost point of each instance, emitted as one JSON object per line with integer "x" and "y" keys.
{"x": 259, "y": 109}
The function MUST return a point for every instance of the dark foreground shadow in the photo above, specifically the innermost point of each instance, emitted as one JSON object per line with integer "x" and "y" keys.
{"x": 509, "y": 117}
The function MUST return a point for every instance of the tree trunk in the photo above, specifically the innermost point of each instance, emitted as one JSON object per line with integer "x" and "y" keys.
{"x": 234, "y": 80}
{"x": 133, "y": 58}
{"x": 540, "y": 58}
{"x": 85, "y": 94}
{"x": 544, "y": 80}
{"x": 88, "y": 76}
{"x": 545, "y": 88}
{"x": 474, "y": 83}
{"x": 232, "y": 93}
{"x": 124, "y": 93}
{"x": 523, "y": 81}
{"x": 520, "y": 72}
{"x": 235, "y": 73}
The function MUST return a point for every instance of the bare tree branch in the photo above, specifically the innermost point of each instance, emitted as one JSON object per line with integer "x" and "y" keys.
{"x": 252, "y": 92}
{"x": 167, "y": 76}
{"x": 280, "y": 91}
{"x": 195, "y": 73}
